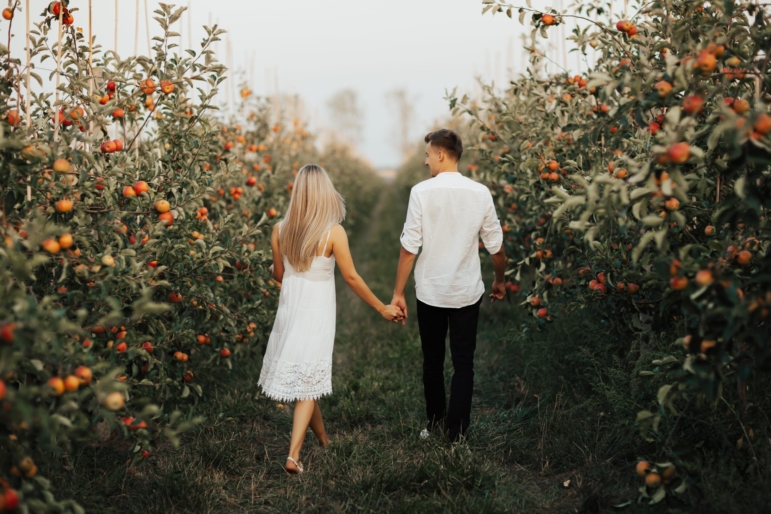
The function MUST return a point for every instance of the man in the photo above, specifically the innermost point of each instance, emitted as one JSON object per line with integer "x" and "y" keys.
{"x": 446, "y": 215}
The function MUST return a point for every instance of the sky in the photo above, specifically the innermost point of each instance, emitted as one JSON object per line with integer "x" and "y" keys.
{"x": 314, "y": 48}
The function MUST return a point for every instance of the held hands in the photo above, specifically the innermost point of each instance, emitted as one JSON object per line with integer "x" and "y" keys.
{"x": 499, "y": 291}
{"x": 401, "y": 303}
{"x": 392, "y": 313}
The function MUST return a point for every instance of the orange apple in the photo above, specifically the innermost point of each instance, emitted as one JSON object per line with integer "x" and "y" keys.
{"x": 61, "y": 166}
{"x": 167, "y": 87}
{"x": 57, "y": 384}
{"x": 162, "y": 206}
{"x": 706, "y": 61}
{"x": 678, "y": 283}
{"x": 663, "y": 88}
{"x": 740, "y": 106}
{"x": 71, "y": 383}
{"x": 679, "y": 152}
{"x": 672, "y": 204}
{"x": 83, "y": 373}
{"x": 763, "y": 123}
{"x": 51, "y": 246}
{"x": 166, "y": 217}
{"x": 63, "y": 206}
{"x": 653, "y": 480}
{"x": 704, "y": 277}
{"x": 147, "y": 86}
{"x": 65, "y": 241}
{"x": 744, "y": 257}
{"x": 693, "y": 104}
{"x": 141, "y": 187}
{"x": 114, "y": 401}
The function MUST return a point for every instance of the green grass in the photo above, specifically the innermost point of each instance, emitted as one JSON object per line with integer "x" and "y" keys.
{"x": 549, "y": 407}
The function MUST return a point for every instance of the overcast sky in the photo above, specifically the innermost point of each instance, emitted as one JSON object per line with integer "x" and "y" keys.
{"x": 315, "y": 48}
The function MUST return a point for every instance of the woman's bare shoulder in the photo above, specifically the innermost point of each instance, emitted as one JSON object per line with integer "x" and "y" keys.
{"x": 337, "y": 234}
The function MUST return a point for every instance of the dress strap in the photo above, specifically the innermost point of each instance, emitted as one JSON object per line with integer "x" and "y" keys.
{"x": 324, "y": 251}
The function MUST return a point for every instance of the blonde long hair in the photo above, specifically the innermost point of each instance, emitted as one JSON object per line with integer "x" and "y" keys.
{"x": 314, "y": 208}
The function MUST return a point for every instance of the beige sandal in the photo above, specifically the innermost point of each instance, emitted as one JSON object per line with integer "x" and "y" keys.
{"x": 299, "y": 467}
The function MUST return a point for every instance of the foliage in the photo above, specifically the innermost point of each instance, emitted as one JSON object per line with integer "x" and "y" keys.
{"x": 135, "y": 227}
{"x": 643, "y": 190}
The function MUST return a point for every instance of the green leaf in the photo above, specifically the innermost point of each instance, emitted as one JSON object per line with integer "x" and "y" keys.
{"x": 659, "y": 495}
{"x": 663, "y": 392}
{"x": 652, "y": 220}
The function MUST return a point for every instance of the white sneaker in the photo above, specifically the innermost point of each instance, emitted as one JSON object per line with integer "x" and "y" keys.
{"x": 425, "y": 434}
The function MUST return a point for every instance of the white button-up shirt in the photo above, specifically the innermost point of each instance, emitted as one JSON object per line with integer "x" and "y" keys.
{"x": 446, "y": 216}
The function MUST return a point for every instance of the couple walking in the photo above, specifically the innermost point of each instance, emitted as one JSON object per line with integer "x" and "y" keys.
{"x": 446, "y": 216}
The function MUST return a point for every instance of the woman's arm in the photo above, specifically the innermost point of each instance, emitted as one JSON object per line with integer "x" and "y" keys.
{"x": 278, "y": 262}
{"x": 342, "y": 252}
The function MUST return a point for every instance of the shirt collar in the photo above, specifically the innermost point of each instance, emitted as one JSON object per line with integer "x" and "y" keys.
{"x": 448, "y": 173}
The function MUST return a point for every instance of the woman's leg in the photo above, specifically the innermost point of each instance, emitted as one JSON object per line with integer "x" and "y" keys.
{"x": 317, "y": 425}
{"x": 303, "y": 411}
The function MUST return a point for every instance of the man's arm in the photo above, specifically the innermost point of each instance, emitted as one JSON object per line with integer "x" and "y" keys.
{"x": 406, "y": 259}
{"x": 492, "y": 237}
{"x": 411, "y": 240}
{"x": 499, "y": 264}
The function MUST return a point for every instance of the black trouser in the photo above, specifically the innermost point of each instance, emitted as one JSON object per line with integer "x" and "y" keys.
{"x": 433, "y": 323}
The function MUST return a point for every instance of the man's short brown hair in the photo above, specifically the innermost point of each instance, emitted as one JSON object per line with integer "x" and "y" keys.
{"x": 447, "y": 140}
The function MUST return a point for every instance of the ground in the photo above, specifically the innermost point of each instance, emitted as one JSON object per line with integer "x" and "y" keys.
{"x": 521, "y": 456}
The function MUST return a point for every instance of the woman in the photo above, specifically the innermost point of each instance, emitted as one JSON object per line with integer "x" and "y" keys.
{"x": 298, "y": 361}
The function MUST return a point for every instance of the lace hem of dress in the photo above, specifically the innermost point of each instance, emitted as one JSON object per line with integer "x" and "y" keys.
{"x": 296, "y": 381}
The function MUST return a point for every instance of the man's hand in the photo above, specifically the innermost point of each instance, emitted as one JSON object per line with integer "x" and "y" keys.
{"x": 392, "y": 313}
{"x": 499, "y": 291}
{"x": 401, "y": 302}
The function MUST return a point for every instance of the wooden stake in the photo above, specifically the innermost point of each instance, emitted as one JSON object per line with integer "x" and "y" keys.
{"x": 136, "y": 31}
{"x": 27, "y": 100}
{"x": 90, "y": 68}
{"x": 58, "y": 75}
{"x": 215, "y": 50}
{"x": 29, "y": 71}
{"x": 563, "y": 33}
{"x": 231, "y": 99}
{"x": 147, "y": 28}
{"x": 189, "y": 25}
{"x": 116, "y": 28}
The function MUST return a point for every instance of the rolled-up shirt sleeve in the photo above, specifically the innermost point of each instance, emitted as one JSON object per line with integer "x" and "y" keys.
{"x": 412, "y": 235}
{"x": 491, "y": 232}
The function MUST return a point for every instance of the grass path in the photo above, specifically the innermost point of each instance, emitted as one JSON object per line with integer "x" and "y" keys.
{"x": 376, "y": 463}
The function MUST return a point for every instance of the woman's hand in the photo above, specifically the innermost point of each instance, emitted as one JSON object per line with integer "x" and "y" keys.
{"x": 392, "y": 313}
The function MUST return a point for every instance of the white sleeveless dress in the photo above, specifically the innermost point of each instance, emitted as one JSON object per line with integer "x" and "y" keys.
{"x": 298, "y": 361}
